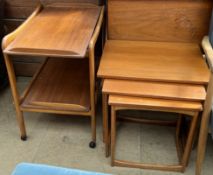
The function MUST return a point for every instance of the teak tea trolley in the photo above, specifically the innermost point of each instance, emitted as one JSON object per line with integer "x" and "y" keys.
{"x": 152, "y": 61}
{"x": 65, "y": 84}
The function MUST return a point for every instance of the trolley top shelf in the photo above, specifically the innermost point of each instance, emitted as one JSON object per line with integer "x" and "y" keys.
{"x": 57, "y": 31}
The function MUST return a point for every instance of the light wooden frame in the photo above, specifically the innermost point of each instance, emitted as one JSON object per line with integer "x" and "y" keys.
{"x": 183, "y": 157}
{"x": 18, "y": 99}
{"x": 106, "y": 124}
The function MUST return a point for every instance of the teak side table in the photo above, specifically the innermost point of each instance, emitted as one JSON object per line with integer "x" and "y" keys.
{"x": 153, "y": 51}
{"x": 65, "y": 84}
{"x": 192, "y": 109}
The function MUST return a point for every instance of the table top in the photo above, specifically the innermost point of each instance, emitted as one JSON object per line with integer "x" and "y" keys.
{"x": 172, "y": 91}
{"x": 57, "y": 31}
{"x": 150, "y": 103}
{"x": 154, "y": 61}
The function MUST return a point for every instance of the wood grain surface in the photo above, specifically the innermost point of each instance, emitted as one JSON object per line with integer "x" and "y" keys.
{"x": 153, "y": 103}
{"x": 159, "y": 20}
{"x": 16, "y": 11}
{"x": 61, "y": 84}
{"x": 154, "y": 90}
{"x": 154, "y": 61}
{"x": 57, "y": 31}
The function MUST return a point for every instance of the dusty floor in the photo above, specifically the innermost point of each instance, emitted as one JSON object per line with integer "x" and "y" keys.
{"x": 63, "y": 141}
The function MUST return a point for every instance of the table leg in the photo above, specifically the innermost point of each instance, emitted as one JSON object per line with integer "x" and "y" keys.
{"x": 105, "y": 123}
{"x": 113, "y": 134}
{"x": 13, "y": 85}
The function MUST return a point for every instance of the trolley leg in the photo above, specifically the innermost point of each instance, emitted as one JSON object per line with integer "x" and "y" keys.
{"x": 12, "y": 79}
{"x": 92, "y": 144}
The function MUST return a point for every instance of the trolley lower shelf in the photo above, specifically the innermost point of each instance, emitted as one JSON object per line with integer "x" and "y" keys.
{"x": 61, "y": 85}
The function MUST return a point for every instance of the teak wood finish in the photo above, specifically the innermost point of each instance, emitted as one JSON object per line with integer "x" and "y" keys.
{"x": 16, "y": 12}
{"x": 152, "y": 43}
{"x": 136, "y": 98}
{"x": 81, "y": 103}
{"x": 62, "y": 84}
{"x": 184, "y": 94}
{"x": 172, "y": 91}
{"x": 70, "y": 38}
{"x": 126, "y": 102}
{"x": 207, "y": 48}
{"x": 159, "y": 20}
{"x": 154, "y": 61}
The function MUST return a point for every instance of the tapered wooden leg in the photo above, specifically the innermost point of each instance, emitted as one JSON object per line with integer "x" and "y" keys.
{"x": 189, "y": 141}
{"x": 104, "y": 110}
{"x": 204, "y": 127}
{"x": 93, "y": 124}
{"x": 93, "y": 127}
{"x": 92, "y": 144}
{"x": 106, "y": 124}
{"x": 92, "y": 95}
{"x": 177, "y": 137}
{"x": 113, "y": 134}
{"x": 16, "y": 99}
{"x": 22, "y": 127}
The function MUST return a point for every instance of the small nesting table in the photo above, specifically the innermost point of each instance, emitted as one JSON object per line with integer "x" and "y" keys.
{"x": 192, "y": 109}
{"x": 156, "y": 76}
{"x": 65, "y": 84}
{"x": 157, "y": 45}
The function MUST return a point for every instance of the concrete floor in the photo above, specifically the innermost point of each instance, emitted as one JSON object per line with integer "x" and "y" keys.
{"x": 63, "y": 141}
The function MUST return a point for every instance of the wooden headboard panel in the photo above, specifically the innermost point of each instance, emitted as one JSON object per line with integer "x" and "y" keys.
{"x": 159, "y": 20}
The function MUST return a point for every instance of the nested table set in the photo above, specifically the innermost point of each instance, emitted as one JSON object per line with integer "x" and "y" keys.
{"x": 65, "y": 84}
{"x": 169, "y": 77}
{"x": 151, "y": 61}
